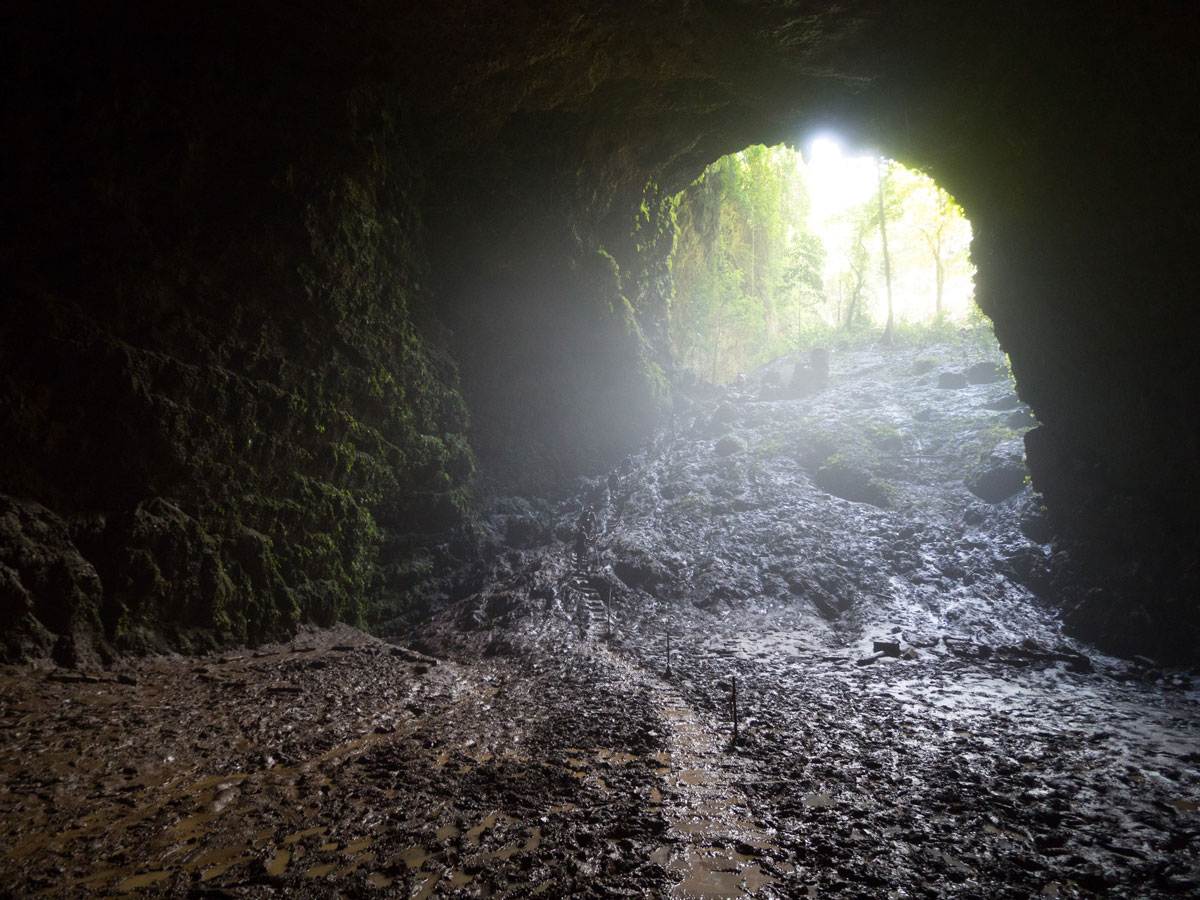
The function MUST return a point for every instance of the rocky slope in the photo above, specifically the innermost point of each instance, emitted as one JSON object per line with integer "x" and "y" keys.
{"x": 910, "y": 718}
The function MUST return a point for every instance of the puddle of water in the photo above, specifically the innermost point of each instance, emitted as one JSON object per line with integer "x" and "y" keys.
{"x": 458, "y": 879}
{"x": 218, "y": 870}
{"x": 426, "y": 890}
{"x": 565, "y": 808}
{"x": 379, "y": 880}
{"x": 818, "y": 801}
{"x": 301, "y": 835}
{"x": 278, "y": 865}
{"x": 98, "y": 878}
{"x": 505, "y": 852}
{"x": 714, "y": 873}
{"x": 321, "y": 871}
{"x": 137, "y": 882}
{"x": 491, "y": 821}
{"x": 413, "y": 857}
{"x": 446, "y": 832}
{"x": 214, "y": 857}
{"x": 361, "y": 844}
{"x": 535, "y": 839}
{"x": 616, "y": 757}
{"x": 194, "y": 826}
{"x": 1185, "y": 805}
{"x": 328, "y": 848}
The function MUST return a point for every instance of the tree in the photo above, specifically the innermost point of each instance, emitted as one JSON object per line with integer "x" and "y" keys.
{"x": 729, "y": 272}
{"x": 858, "y": 259}
{"x": 941, "y": 216}
{"x": 887, "y": 263}
{"x": 750, "y": 270}
{"x": 804, "y": 274}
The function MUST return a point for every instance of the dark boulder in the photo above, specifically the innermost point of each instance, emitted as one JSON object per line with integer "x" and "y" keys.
{"x": 1001, "y": 473}
{"x": 46, "y": 587}
{"x": 850, "y": 482}
{"x": 999, "y": 483}
{"x": 952, "y": 380}
{"x": 729, "y": 445}
{"x": 985, "y": 373}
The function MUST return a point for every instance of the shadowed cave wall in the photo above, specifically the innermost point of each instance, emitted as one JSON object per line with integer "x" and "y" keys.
{"x": 282, "y": 277}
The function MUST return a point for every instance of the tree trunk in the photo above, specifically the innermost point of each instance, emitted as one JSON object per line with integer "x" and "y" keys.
{"x": 716, "y": 350}
{"x": 941, "y": 280}
{"x": 887, "y": 266}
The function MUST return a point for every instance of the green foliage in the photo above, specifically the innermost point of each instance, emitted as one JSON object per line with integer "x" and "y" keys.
{"x": 744, "y": 268}
{"x": 754, "y": 278}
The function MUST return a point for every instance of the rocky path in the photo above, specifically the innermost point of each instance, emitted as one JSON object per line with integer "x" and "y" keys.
{"x": 716, "y": 850}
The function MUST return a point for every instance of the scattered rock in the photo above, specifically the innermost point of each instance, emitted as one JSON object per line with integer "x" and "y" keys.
{"x": 999, "y": 483}
{"x": 850, "y": 482}
{"x": 413, "y": 656}
{"x": 1002, "y": 474}
{"x": 986, "y": 373}
{"x": 1008, "y": 401}
{"x": 728, "y": 445}
{"x": 952, "y": 380}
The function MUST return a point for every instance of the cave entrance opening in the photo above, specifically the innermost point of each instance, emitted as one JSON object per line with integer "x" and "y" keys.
{"x": 780, "y": 251}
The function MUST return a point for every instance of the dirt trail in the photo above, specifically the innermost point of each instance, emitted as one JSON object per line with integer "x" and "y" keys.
{"x": 716, "y": 850}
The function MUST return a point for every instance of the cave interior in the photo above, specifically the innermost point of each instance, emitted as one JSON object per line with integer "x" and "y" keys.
{"x": 286, "y": 284}
{"x": 304, "y": 298}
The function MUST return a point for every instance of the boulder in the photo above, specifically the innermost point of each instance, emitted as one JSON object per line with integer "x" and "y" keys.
{"x": 850, "y": 482}
{"x": 729, "y": 445}
{"x": 999, "y": 483}
{"x": 1008, "y": 401}
{"x": 51, "y": 595}
{"x": 986, "y": 373}
{"x": 1001, "y": 474}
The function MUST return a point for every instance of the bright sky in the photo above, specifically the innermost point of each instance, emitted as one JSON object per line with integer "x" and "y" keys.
{"x": 836, "y": 182}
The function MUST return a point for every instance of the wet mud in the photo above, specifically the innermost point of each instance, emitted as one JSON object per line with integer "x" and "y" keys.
{"x": 910, "y": 719}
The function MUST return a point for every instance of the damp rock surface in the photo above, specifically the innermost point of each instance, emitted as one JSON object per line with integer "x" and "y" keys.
{"x": 749, "y": 687}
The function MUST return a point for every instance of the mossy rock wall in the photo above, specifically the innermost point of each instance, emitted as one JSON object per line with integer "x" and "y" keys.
{"x": 224, "y": 396}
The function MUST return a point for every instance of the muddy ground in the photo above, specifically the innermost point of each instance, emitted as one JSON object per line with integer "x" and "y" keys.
{"x": 911, "y": 722}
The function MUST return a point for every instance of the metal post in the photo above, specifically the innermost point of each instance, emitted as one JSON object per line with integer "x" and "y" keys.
{"x": 733, "y": 707}
{"x": 608, "y": 610}
{"x": 668, "y": 628}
